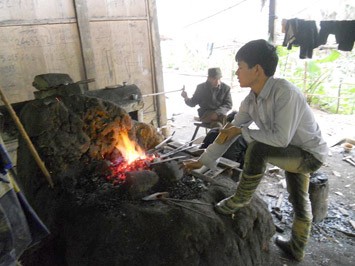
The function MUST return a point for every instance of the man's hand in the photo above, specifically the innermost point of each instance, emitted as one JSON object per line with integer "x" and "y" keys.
{"x": 227, "y": 133}
{"x": 191, "y": 164}
{"x": 184, "y": 94}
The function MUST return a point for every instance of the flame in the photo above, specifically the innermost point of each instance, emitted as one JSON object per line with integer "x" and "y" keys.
{"x": 133, "y": 158}
{"x": 129, "y": 149}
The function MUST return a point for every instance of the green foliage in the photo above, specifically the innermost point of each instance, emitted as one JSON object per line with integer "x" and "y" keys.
{"x": 334, "y": 55}
{"x": 322, "y": 79}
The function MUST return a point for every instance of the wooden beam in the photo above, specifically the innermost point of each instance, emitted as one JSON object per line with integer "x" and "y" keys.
{"x": 36, "y": 22}
{"x": 130, "y": 18}
{"x": 156, "y": 64}
{"x": 81, "y": 12}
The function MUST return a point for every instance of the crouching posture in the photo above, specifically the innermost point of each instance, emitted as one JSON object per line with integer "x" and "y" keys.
{"x": 287, "y": 136}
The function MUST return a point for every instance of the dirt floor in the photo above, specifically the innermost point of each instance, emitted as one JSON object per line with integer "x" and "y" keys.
{"x": 332, "y": 240}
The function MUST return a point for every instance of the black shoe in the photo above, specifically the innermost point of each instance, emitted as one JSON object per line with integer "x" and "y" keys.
{"x": 285, "y": 246}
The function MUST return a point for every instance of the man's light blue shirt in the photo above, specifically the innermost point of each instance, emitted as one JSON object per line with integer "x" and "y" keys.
{"x": 283, "y": 118}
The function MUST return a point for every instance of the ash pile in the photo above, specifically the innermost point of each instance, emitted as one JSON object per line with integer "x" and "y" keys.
{"x": 105, "y": 209}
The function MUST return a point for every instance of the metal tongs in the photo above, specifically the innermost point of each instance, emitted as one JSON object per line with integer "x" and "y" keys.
{"x": 161, "y": 144}
{"x": 183, "y": 147}
{"x": 167, "y": 160}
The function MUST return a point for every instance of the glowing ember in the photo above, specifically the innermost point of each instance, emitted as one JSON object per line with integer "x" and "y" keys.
{"x": 133, "y": 159}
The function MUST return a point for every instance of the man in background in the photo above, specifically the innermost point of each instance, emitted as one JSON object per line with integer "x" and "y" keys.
{"x": 213, "y": 97}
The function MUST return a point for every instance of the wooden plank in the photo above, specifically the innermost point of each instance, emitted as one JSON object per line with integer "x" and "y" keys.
{"x": 27, "y": 51}
{"x": 36, "y": 37}
{"x": 113, "y": 41}
{"x": 121, "y": 54}
{"x": 118, "y": 19}
{"x": 228, "y": 163}
{"x": 116, "y": 8}
{"x": 29, "y": 10}
{"x": 36, "y": 22}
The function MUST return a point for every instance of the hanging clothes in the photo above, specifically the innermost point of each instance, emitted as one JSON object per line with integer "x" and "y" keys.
{"x": 303, "y": 33}
{"x": 344, "y": 31}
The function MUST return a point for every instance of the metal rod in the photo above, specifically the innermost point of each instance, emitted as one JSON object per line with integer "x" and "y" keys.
{"x": 168, "y": 160}
{"x": 160, "y": 145}
{"x": 176, "y": 151}
{"x": 164, "y": 141}
{"x": 158, "y": 93}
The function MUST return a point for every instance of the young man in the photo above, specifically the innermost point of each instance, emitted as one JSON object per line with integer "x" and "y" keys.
{"x": 213, "y": 97}
{"x": 287, "y": 136}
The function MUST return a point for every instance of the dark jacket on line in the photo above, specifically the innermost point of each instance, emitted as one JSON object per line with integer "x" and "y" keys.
{"x": 344, "y": 31}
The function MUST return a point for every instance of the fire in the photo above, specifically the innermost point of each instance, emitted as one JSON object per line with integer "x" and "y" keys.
{"x": 133, "y": 158}
{"x": 129, "y": 149}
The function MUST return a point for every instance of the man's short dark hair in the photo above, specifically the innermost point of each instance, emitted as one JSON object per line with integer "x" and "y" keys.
{"x": 259, "y": 52}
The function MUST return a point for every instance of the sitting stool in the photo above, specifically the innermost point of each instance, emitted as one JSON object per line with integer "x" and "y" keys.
{"x": 207, "y": 126}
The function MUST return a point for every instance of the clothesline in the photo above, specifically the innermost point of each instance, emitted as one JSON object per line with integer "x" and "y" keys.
{"x": 304, "y": 33}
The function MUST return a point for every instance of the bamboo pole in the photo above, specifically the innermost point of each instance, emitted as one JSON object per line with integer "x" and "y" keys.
{"x": 28, "y": 141}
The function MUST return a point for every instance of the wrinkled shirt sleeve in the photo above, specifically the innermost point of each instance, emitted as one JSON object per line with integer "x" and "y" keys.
{"x": 279, "y": 132}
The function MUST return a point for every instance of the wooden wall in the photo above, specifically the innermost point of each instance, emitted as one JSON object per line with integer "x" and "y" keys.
{"x": 113, "y": 41}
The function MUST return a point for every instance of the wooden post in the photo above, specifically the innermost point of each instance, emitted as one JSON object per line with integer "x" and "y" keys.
{"x": 318, "y": 195}
{"x": 305, "y": 77}
{"x": 272, "y": 16}
{"x": 28, "y": 141}
{"x": 156, "y": 64}
{"x": 83, "y": 23}
{"x": 339, "y": 94}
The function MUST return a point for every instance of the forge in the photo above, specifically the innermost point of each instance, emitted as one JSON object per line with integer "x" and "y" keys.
{"x": 96, "y": 212}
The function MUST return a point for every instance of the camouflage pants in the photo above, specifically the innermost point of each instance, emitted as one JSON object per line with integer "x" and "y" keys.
{"x": 297, "y": 164}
